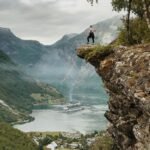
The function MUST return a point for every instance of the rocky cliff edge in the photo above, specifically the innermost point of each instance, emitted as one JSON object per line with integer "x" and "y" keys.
{"x": 126, "y": 74}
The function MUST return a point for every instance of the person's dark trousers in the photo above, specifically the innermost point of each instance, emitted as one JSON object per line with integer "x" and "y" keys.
{"x": 91, "y": 35}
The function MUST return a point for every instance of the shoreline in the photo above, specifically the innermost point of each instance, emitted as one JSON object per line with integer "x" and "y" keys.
{"x": 35, "y": 107}
{"x": 55, "y": 119}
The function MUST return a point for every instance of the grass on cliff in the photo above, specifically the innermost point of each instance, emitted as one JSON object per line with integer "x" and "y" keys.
{"x": 13, "y": 139}
{"x": 100, "y": 51}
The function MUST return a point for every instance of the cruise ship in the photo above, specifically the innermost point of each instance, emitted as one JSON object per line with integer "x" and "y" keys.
{"x": 73, "y": 107}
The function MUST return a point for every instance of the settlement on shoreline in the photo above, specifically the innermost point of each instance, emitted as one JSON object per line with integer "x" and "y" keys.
{"x": 71, "y": 141}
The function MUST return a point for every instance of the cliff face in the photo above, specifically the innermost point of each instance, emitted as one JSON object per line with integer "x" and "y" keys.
{"x": 126, "y": 74}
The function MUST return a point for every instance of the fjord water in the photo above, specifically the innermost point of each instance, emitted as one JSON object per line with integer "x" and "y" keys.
{"x": 88, "y": 120}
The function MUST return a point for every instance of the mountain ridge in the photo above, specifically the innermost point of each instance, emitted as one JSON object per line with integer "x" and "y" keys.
{"x": 57, "y": 64}
{"x": 16, "y": 88}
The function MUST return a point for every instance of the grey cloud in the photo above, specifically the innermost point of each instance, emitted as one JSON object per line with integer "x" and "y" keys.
{"x": 48, "y": 20}
{"x": 7, "y": 4}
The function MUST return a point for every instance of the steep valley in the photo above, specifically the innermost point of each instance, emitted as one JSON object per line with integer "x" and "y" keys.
{"x": 57, "y": 64}
{"x": 17, "y": 92}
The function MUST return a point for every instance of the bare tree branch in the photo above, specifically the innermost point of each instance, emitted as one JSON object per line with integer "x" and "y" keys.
{"x": 92, "y": 1}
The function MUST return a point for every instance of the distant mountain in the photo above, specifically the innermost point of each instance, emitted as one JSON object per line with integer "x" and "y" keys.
{"x": 29, "y": 52}
{"x": 66, "y": 37}
{"x": 16, "y": 92}
{"x": 58, "y": 64}
{"x": 24, "y": 52}
{"x": 62, "y": 68}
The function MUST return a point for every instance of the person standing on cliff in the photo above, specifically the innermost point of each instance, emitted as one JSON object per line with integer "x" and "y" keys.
{"x": 91, "y": 34}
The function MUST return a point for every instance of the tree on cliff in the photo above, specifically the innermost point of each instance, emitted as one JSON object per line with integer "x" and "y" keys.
{"x": 118, "y": 5}
{"x": 138, "y": 7}
{"x": 146, "y": 8}
{"x": 141, "y": 8}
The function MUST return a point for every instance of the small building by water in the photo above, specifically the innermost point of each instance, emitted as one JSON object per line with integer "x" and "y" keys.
{"x": 52, "y": 146}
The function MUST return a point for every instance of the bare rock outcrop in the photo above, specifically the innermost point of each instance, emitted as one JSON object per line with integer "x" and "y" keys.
{"x": 126, "y": 74}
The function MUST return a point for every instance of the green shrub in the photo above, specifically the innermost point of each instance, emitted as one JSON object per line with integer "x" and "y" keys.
{"x": 13, "y": 139}
{"x": 99, "y": 51}
{"x": 45, "y": 141}
{"x": 139, "y": 33}
{"x": 103, "y": 142}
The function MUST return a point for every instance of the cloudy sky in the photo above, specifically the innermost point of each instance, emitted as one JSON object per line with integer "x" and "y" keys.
{"x": 48, "y": 20}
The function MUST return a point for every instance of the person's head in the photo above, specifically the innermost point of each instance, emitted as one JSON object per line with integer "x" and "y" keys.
{"x": 91, "y": 26}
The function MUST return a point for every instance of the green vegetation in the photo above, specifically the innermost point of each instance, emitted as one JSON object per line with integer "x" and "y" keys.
{"x": 140, "y": 33}
{"x": 137, "y": 29}
{"x": 24, "y": 52}
{"x": 100, "y": 50}
{"x": 94, "y": 53}
{"x": 4, "y": 58}
{"x": 9, "y": 116}
{"x": 94, "y": 141}
{"x": 103, "y": 142}
{"x": 139, "y": 23}
{"x": 45, "y": 138}
{"x": 48, "y": 95}
{"x": 13, "y": 139}
{"x": 16, "y": 89}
